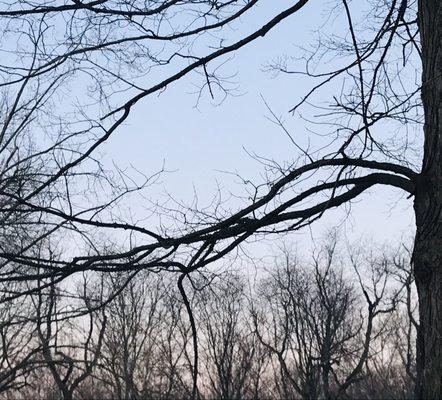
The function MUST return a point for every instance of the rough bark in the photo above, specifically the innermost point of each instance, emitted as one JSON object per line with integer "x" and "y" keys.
{"x": 427, "y": 257}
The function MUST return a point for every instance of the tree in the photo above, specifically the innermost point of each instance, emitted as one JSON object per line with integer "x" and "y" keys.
{"x": 113, "y": 43}
{"x": 233, "y": 357}
{"x": 312, "y": 321}
{"x": 427, "y": 258}
{"x": 19, "y": 352}
{"x": 145, "y": 339}
{"x": 68, "y": 363}
{"x": 133, "y": 321}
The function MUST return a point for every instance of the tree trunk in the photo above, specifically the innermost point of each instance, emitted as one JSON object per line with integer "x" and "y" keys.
{"x": 427, "y": 256}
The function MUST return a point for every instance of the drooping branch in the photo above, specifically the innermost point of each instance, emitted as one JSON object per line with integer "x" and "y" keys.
{"x": 220, "y": 238}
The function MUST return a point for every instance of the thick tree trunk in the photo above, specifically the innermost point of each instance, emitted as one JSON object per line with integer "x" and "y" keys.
{"x": 427, "y": 257}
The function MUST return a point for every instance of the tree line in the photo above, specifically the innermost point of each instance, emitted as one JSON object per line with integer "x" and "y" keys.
{"x": 330, "y": 324}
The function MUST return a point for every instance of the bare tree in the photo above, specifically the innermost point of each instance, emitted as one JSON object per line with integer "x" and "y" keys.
{"x": 232, "y": 356}
{"x": 144, "y": 346}
{"x": 175, "y": 346}
{"x": 312, "y": 322}
{"x": 390, "y": 371}
{"x": 133, "y": 323}
{"x": 309, "y": 317}
{"x": 131, "y": 358}
{"x": 19, "y": 349}
{"x": 68, "y": 362}
{"x": 116, "y": 43}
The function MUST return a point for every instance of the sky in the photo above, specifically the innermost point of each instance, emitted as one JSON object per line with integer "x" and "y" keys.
{"x": 199, "y": 141}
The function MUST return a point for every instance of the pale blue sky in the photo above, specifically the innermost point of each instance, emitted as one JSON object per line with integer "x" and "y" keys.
{"x": 197, "y": 142}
